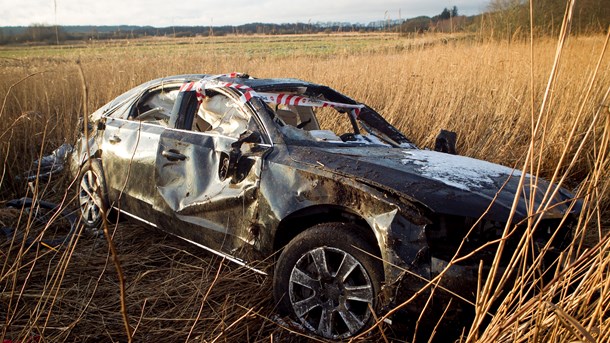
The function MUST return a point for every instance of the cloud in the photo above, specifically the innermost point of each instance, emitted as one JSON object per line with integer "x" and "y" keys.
{"x": 163, "y": 13}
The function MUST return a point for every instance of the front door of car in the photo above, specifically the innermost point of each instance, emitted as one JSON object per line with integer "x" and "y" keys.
{"x": 207, "y": 187}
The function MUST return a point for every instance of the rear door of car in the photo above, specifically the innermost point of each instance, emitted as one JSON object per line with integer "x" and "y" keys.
{"x": 209, "y": 193}
{"x": 130, "y": 145}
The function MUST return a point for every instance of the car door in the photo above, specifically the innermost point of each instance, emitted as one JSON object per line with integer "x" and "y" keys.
{"x": 130, "y": 145}
{"x": 205, "y": 184}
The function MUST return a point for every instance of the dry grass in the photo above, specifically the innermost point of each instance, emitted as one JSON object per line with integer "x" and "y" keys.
{"x": 172, "y": 292}
{"x": 479, "y": 89}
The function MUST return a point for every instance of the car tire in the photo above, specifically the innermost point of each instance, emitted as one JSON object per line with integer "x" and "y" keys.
{"x": 92, "y": 194}
{"x": 326, "y": 280}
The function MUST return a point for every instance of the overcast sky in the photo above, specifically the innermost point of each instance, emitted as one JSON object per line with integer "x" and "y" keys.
{"x": 162, "y": 13}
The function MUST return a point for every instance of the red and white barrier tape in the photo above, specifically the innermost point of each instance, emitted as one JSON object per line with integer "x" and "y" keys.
{"x": 187, "y": 87}
{"x": 297, "y": 100}
{"x": 248, "y": 93}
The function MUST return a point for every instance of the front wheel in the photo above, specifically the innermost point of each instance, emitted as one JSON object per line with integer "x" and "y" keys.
{"x": 326, "y": 280}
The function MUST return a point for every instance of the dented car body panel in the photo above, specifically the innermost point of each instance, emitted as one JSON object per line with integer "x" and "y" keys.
{"x": 211, "y": 199}
{"x": 184, "y": 159}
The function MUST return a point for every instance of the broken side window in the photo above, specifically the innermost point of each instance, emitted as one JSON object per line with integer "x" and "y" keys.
{"x": 155, "y": 107}
{"x": 218, "y": 114}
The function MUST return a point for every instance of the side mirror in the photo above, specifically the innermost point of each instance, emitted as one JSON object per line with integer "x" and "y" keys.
{"x": 246, "y": 137}
{"x": 445, "y": 142}
{"x": 235, "y": 154}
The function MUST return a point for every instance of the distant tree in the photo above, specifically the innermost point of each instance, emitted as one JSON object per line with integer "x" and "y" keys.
{"x": 445, "y": 14}
{"x": 417, "y": 24}
{"x": 454, "y": 11}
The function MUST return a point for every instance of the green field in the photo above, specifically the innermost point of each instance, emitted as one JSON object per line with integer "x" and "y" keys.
{"x": 318, "y": 45}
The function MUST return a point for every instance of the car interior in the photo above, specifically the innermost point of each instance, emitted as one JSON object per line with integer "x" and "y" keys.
{"x": 155, "y": 106}
{"x": 301, "y": 117}
{"x": 220, "y": 115}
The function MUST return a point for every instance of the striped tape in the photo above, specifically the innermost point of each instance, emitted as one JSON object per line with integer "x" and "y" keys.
{"x": 248, "y": 93}
{"x": 298, "y": 100}
{"x": 187, "y": 87}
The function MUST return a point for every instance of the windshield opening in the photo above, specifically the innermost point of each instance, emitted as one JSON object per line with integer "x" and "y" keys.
{"x": 318, "y": 120}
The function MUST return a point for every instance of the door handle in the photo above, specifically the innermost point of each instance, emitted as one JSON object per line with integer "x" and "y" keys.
{"x": 114, "y": 139}
{"x": 173, "y": 155}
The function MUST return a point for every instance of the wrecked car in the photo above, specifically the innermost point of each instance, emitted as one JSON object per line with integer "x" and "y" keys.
{"x": 356, "y": 216}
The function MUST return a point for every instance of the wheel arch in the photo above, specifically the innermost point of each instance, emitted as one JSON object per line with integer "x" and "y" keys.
{"x": 305, "y": 218}
{"x": 96, "y": 155}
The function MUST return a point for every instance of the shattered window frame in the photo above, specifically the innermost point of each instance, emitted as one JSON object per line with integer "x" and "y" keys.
{"x": 254, "y": 122}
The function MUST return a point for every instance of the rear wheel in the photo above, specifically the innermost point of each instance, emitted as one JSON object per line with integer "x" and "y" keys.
{"x": 326, "y": 282}
{"x": 92, "y": 196}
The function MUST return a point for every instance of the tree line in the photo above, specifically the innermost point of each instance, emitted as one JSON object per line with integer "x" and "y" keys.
{"x": 510, "y": 19}
{"x": 504, "y": 19}
{"x": 39, "y": 33}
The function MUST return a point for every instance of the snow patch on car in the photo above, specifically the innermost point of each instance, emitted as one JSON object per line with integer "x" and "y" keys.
{"x": 370, "y": 139}
{"x": 457, "y": 171}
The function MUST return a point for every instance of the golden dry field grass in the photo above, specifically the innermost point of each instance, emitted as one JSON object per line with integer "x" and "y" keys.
{"x": 509, "y": 103}
{"x": 479, "y": 90}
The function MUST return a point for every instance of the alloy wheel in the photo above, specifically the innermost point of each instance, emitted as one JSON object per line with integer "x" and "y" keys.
{"x": 89, "y": 198}
{"x": 331, "y": 292}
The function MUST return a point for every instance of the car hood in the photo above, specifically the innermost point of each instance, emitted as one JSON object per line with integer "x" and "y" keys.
{"x": 444, "y": 183}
